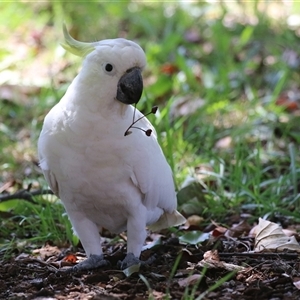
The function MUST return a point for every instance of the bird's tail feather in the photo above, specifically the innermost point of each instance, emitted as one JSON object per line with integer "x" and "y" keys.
{"x": 168, "y": 220}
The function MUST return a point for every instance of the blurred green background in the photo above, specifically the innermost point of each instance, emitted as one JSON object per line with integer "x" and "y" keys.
{"x": 224, "y": 74}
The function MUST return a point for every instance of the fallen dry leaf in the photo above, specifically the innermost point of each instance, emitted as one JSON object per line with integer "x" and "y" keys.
{"x": 211, "y": 260}
{"x": 296, "y": 282}
{"x": 158, "y": 295}
{"x": 289, "y": 100}
{"x": 218, "y": 230}
{"x": 169, "y": 69}
{"x": 211, "y": 255}
{"x": 185, "y": 106}
{"x": 249, "y": 275}
{"x": 289, "y": 232}
{"x": 270, "y": 236}
{"x": 239, "y": 229}
{"x": 191, "y": 280}
{"x": 224, "y": 143}
{"x": 195, "y": 220}
{"x": 47, "y": 251}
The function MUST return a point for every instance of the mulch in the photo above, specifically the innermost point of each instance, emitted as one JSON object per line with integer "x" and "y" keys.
{"x": 177, "y": 272}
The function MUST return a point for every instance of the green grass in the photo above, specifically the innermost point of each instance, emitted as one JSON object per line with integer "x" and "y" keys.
{"x": 33, "y": 224}
{"x": 237, "y": 67}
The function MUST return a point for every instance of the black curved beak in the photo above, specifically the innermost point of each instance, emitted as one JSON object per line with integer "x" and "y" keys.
{"x": 130, "y": 86}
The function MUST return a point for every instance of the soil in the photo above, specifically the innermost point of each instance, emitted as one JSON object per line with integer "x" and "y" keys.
{"x": 176, "y": 272}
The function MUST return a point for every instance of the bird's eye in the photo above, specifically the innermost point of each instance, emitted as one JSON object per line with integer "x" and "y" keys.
{"x": 108, "y": 67}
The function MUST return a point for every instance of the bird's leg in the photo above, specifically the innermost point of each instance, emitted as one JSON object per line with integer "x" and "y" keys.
{"x": 88, "y": 233}
{"x": 136, "y": 235}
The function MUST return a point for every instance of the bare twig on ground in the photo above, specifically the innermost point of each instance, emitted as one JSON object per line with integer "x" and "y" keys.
{"x": 257, "y": 254}
{"x": 25, "y": 194}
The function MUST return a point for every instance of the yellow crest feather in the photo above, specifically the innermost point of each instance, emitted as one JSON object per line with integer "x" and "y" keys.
{"x": 78, "y": 48}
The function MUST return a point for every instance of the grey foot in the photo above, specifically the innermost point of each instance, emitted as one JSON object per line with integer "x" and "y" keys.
{"x": 131, "y": 260}
{"x": 92, "y": 262}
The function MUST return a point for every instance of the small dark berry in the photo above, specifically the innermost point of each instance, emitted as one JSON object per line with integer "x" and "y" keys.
{"x": 154, "y": 109}
{"x": 148, "y": 132}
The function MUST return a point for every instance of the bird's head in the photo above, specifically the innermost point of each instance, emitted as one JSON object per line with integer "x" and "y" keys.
{"x": 115, "y": 65}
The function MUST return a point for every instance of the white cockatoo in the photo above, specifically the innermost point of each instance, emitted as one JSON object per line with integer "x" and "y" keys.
{"x": 103, "y": 177}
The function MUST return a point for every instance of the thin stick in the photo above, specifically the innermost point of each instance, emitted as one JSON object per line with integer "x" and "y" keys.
{"x": 153, "y": 111}
{"x": 25, "y": 194}
{"x": 265, "y": 254}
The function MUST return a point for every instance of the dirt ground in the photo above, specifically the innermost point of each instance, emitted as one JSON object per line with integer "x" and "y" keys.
{"x": 249, "y": 275}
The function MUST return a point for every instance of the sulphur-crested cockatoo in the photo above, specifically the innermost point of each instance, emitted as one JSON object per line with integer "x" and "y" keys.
{"x": 103, "y": 177}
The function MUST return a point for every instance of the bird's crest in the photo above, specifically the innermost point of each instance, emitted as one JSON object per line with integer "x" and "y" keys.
{"x": 78, "y": 48}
